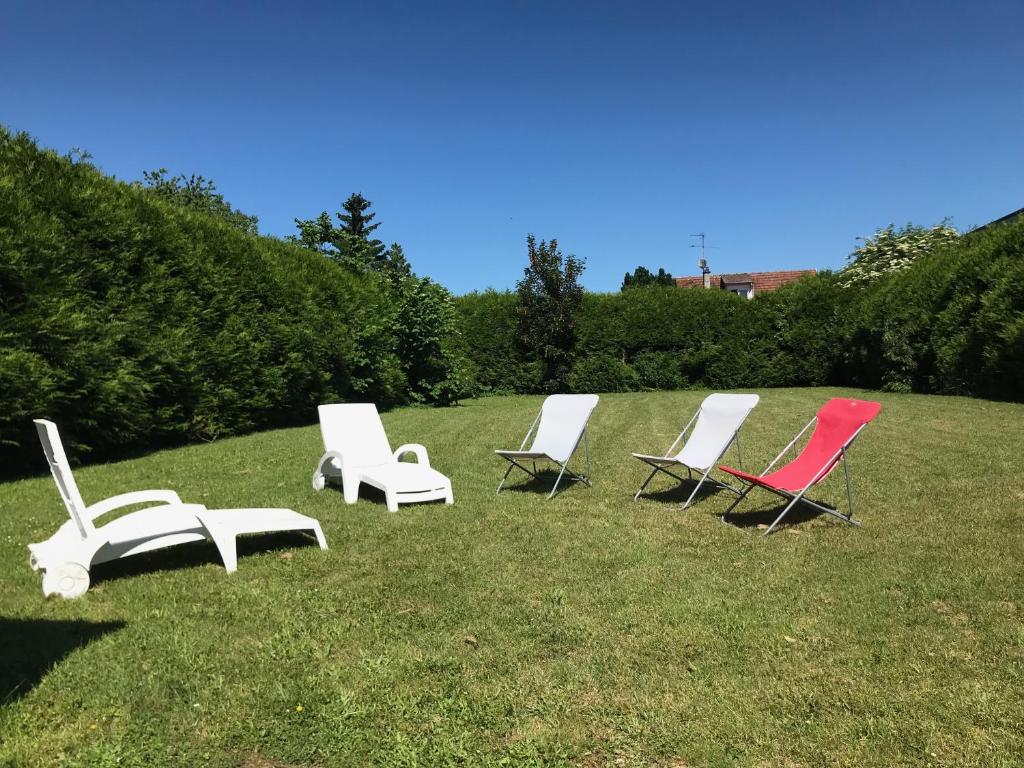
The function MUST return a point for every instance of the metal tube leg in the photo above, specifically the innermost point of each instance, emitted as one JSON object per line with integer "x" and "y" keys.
{"x": 649, "y": 478}
{"x": 699, "y": 484}
{"x": 784, "y": 513}
{"x": 739, "y": 498}
{"x": 557, "y": 481}
{"x": 507, "y": 472}
{"x": 849, "y": 494}
{"x": 586, "y": 450}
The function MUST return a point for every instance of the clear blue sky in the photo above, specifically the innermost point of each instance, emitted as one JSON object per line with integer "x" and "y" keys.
{"x": 782, "y": 130}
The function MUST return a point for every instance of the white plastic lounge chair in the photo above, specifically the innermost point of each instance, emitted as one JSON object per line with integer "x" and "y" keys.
{"x": 718, "y": 423}
{"x": 67, "y": 557}
{"x": 562, "y": 425}
{"x": 357, "y": 451}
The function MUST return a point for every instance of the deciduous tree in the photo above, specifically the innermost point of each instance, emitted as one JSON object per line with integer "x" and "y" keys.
{"x": 549, "y": 300}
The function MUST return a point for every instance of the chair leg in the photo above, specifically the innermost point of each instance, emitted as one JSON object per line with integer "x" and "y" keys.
{"x": 697, "y": 488}
{"x": 783, "y": 514}
{"x": 649, "y": 478}
{"x": 503, "y": 479}
{"x": 558, "y": 480}
{"x": 739, "y": 498}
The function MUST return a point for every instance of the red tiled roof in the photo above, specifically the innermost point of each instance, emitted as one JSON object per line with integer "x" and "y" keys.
{"x": 762, "y": 281}
{"x": 689, "y": 282}
{"x": 769, "y": 281}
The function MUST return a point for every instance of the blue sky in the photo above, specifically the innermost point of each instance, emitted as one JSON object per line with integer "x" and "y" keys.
{"x": 782, "y": 130}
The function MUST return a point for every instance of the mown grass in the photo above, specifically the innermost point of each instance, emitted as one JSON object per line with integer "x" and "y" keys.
{"x": 588, "y": 630}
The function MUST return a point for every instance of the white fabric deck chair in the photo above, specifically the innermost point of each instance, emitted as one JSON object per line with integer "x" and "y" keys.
{"x": 67, "y": 557}
{"x": 357, "y": 451}
{"x": 718, "y": 423}
{"x": 562, "y": 425}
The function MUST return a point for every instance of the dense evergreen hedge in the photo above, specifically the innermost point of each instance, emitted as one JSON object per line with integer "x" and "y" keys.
{"x": 953, "y": 323}
{"x": 134, "y": 323}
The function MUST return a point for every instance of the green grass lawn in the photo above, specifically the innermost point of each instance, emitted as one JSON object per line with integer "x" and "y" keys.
{"x": 509, "y": 630}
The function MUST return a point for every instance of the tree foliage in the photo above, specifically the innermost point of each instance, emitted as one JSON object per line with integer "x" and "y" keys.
{"x": 894, "y": 250}
{"x": 135, "y": 322}
{"x": 549, "y": 299}
{"x": 348, "y": 242}
{"x": 193, "y": 192}
{"x": 951, "y": 323}
{"x": 642, "y": 277}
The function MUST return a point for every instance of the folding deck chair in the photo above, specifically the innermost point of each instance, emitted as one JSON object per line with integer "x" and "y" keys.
{"x": 561, "y": 425}
{"x": 67, "y": 557}
{"x": 836, "y": 426}
{"x": 357, "y": 451}
{"x": 718, "y": 423}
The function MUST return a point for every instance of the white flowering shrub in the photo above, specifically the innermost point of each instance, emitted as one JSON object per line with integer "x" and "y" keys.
{"x": 893, "y": 250}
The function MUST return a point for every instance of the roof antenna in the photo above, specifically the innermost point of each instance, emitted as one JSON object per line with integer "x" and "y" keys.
{"x": 703, "y": 264}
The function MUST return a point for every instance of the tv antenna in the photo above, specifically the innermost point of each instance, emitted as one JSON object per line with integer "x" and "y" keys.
{"x": 703, "y": 261}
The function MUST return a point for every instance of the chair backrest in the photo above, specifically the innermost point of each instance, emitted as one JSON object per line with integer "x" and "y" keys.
{"x": 562, "y": 420}
{"x": 355, "y": 431}
{"x": 838, "y": 422}
{"x": 720, "y": 416}
{"x": 61, "y": 471}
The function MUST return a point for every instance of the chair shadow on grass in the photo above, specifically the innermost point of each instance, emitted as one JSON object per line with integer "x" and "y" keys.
{"x": 29, "y": 648}
{"x": 375, "y": 496}
{"x": 542, "y": 483}
{"x": 765, "y": 516}
{"x": 679, "y": 492}
{"x": 193, "y": 555}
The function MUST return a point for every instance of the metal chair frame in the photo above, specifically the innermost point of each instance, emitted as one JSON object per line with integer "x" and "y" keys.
{"x": 563, "y": 465}
{"x": 704, "y": 477}
{"x": 838, "y": 457}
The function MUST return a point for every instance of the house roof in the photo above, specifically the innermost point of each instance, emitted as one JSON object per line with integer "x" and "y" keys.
{"x": 761, "y": 281}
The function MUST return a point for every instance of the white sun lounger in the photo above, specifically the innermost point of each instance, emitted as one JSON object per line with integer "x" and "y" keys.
{"x": 357, "y": 451}
{"x": 67, "y": 557}
{"x": 562, "y": 425}
{"x": 718, "y": 423}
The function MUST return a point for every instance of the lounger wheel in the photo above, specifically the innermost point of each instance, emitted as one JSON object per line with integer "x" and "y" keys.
{"x": 319, "y": 481}
{"x": 68, "y": 580}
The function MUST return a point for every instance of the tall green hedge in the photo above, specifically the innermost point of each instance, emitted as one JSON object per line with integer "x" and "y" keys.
{"x": 136, "y": 323}
{"x": 952, "y": 323}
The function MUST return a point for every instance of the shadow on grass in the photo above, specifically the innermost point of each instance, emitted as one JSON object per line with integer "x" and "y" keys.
{"x": 541, "y": 484}
{"x": 680, "y": 492}
{"x": 193, "y": 555}
{"x": 375, "y": 496}
{"x": 31, "y": 647}
{"x": 801, "y": 513}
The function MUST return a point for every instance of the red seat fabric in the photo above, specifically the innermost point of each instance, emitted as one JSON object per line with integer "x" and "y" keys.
{"x": 838, "y": 421}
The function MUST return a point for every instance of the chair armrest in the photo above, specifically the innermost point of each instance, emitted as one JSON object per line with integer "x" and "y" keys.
{"x": 126, "y": 499}
{"x": 328, "y": 457}
{"x": 414, "y": 448}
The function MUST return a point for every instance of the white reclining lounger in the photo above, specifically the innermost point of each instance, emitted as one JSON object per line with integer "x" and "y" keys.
{"x": 357, "y": 451}
{"x": 719, "y": 419}
{"x": 67, "y": 556}
{"x": 562, "y": 425}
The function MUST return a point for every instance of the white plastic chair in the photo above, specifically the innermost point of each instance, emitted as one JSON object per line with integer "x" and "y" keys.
{"x": 67, "y": 557}
{"x": 357, "y": 451}
{"x": 562, "y": 425}
{"x": 718, "y": 423}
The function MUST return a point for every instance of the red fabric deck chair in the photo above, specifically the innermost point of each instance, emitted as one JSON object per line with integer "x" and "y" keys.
{"x": 836, "y": 426}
